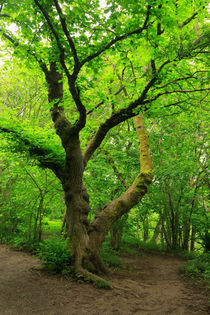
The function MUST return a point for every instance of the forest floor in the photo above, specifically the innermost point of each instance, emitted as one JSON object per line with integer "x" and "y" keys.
{"x": 150, "y": 284}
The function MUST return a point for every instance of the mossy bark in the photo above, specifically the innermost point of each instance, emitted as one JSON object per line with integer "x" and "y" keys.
{"x": 121, "y": 205}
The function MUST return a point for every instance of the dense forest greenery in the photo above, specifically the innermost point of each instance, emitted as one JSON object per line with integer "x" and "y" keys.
{"x": 83, "y": 86}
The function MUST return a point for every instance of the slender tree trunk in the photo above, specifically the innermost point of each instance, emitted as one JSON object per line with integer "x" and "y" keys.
{"x": 192, "y": 243}
{"x": 38, "y": 214}
{"x": 145, "y": 229}
{"x": 186, "y": 238}
{"x": 64, "y": 227}
{"x": 156, "y": 232}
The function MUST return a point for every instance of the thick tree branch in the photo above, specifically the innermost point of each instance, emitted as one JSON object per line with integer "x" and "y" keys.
{"x": 81, "y": 108}
{"x": 71, "y": 78}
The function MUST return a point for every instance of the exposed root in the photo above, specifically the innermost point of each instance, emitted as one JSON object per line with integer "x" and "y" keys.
{"x": 96, "y": 280}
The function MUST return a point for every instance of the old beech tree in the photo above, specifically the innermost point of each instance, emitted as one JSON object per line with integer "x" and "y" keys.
{"x": 134, "y": 57}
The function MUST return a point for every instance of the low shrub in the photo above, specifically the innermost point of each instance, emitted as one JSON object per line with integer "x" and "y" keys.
{"x": 20, "y": 243}
{"x": 198, "y": 267}
{"x": 55, "y": 255}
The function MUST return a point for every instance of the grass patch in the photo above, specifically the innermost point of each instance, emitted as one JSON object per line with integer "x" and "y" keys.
{"x": 102, "y": 285}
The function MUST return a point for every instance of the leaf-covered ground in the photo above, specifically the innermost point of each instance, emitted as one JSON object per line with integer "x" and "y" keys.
{"x": 149, "y": 284}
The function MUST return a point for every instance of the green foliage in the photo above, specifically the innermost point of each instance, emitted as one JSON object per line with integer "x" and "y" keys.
{"x": 110, "y": 256}
{"x": 51, "y": 226}
{"x": 55, "y": 255}
{"x": 20, "y": 243}
{"x": 198, "y": 267}
{"x": 129, "y": 241}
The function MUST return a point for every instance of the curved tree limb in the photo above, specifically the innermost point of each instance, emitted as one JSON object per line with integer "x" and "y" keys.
{"x": 119, "y": 206}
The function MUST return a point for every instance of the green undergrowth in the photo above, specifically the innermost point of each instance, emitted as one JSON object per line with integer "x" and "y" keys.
{"x": 55, "y": 256}
{"x": 130, "y": 244}
{"x": 110, "y": 256}
{"x": 183, "y": 253}
{"x": 22, "y": 244}
{"x": 198, "y": 267}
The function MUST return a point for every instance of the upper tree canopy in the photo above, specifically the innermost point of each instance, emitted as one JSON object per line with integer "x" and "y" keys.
{"x": 113, "y": 59}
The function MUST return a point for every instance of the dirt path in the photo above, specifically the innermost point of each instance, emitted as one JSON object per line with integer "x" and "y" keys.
{"x": 150, "y": 285}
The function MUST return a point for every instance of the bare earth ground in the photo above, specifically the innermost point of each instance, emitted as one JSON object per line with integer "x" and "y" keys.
{"x": 150, "y": 284}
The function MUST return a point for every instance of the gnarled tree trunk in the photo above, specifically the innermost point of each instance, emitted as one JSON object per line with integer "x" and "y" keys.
{"x": 85, "y": 238}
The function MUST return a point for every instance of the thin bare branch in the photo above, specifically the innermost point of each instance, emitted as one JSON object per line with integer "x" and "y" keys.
{"x": 66, "y": 31}
{"x": 117, "y": 39}
{"x": 180, "y": 79}
{"x": 115, "y": 169}
{"x": 175, "y": 91}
